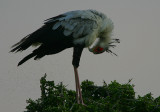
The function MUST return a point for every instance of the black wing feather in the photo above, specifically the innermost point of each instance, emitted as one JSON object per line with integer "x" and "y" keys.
{"x": 52, "y": 41}
{"x": 26, "y": 58}
{"x": 30, "y": 39}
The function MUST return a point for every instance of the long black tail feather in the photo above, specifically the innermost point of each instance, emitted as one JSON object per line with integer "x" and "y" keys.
{"x": 29, "y": 39}
{"x": 26, "y": 58}
{"x": 22, "y": 44}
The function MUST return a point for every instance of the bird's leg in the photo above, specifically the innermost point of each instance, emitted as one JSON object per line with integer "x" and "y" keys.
{"x": 78, "y": 87}
{"x": 77, "y": 93}
{"x": 76, "y": 59}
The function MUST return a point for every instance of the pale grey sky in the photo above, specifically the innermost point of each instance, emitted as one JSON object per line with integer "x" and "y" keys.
{"x": 136, "y": 25}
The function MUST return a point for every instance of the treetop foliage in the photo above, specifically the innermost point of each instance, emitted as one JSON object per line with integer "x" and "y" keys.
{"x": 113, "y": 97}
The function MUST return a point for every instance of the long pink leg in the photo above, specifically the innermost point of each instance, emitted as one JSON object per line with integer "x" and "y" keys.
{"x": 77, "y": 93}
{"x": 78, "y": 87}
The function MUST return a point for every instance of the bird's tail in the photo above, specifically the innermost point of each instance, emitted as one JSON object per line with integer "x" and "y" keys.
{"x": 31, "y": 39}
{"x": 26, "y": 58}
{"x": 22, "y": 44}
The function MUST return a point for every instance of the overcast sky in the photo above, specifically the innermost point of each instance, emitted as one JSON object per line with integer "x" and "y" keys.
{"x": 136, "y": 25}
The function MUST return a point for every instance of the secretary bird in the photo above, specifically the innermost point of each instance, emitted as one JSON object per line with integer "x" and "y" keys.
{"x": 78, "y": 29}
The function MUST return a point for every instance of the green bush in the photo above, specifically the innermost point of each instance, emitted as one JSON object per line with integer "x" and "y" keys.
{"x": 113, "y": 97}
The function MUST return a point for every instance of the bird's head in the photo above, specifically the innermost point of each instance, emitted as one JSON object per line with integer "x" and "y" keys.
{"x": 104, "y": 41}
{"x": 99, "y": 46}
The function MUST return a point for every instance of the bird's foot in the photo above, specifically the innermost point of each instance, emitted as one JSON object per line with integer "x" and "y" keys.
{"x": 82, "y": 103}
